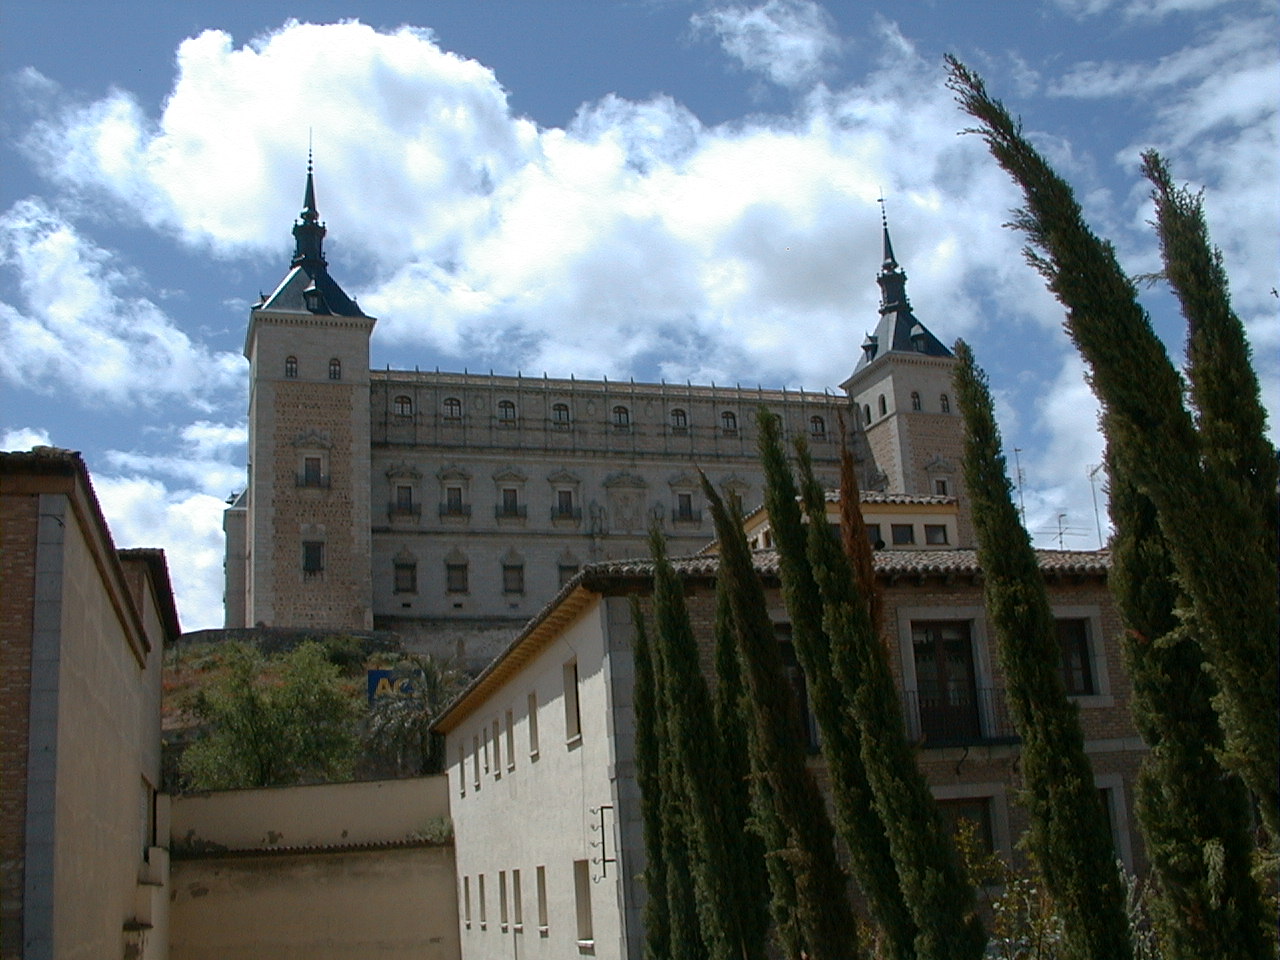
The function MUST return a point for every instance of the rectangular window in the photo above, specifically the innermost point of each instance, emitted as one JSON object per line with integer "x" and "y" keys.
{"x": 497, "y": 751}
{"x": 975, "y": 814}
{"x": 311, "y": 471}
{"x": 533, "y": 724}
{"x": 511, "y": 741}
{"x": 462, "y": 770}
{"x": 510, "y": 502}
{"x": 572, "y": 715}
{"x": 902, "y": 533}
{"x": 475, "y": 761}
{"x": 466, "y": 901}
{"x": 940, "y": 487}
{"x": 517, "y": 906}
{"x": 404, "y": 497}
{"x": 455, "y": 577}
{"x": 946, "y": 682}
{"x": 582, "y": 899}
{"x": 484, "y": 740}
{"x": 406, "y": 578}
{"x": 684, "y": 506}
{"x": 873, "y": 536}
{"x": 1077, "y": 669}
{"x": 567, "y": 572}
{"x": 480, "y": 895}
{"x": 502, "y": 899}
{"x": 564, "y": 503}
{"x": 453, "y": 501}
{"x": 935, "y": 534}
{"x": 541, "y": 879}
{"x": 513, "y": 578}
{"x": 312, "y": 557}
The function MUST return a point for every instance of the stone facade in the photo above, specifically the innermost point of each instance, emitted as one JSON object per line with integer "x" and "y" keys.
{"x": 450, "y": 507}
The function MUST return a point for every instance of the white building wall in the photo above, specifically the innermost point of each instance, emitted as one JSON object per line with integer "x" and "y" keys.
{"x": 547, "y": 803}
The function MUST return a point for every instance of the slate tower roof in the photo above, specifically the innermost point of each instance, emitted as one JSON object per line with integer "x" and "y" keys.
{"x": 308, "y": 288}
{"x": 898, "y": 330}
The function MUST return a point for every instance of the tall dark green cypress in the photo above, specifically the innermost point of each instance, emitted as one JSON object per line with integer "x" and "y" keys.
{"x": 692, "y": 738}
{"x": 750, "y": 870}
{"x": 824, "y": 916}
{"x": 657, "y": 930}
{"x": 860, "y": 825}
{"x": 1142, "y": 399}
{"x": 1070, "y": 838}
{"x": 1230, "y": 417}
{"x": 933, "y": 886}
{"x": 1206, "y": 904}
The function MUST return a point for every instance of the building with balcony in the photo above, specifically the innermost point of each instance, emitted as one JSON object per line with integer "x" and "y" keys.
{"x": 548, "y": 727}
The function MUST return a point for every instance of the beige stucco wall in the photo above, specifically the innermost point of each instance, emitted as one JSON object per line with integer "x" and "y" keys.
{"x": 565, "y": 786}
{"x": 317, "y": 872}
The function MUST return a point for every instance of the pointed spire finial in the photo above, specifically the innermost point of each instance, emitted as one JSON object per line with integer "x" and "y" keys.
{"x": 309, "y": 231}
{"x": 890, "y": 262}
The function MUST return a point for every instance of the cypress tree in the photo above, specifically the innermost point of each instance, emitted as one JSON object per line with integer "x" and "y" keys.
{"x": 750, "y": 871}
{"x": 1206, "y": 904}
{"x": 860, "y": 825}
{"x": 824, "y": 917}
{"x": 1141, "y": 396}
{"x": 657, "y": 931}
{"x": 690, "y": 730}
{"x": 933, "y": 885}
{"x": 1069, "y": 838}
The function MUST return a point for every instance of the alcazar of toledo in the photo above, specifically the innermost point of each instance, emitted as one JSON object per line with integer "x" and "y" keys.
{"x": 452, "y": 506}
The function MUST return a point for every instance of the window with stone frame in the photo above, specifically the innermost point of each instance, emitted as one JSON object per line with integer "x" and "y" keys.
{"x": 944, "y": 403}
{"x": 974, "y": 813}
{"x": 1077, "y": 661}
{"x": 560, "y": 416}
{"x": 402, "y": 406}
{"x": 817, "y": 428}
{"x": 679, "y": 422}
{"x": 512, "y": 577}
{"x": 455, "y": 576}
{"x": 902, "y": 533}
{"x": 335, "y": 369}
{"x": 452, "y": 408}
{"x": 729, "y": 423}
{"x": 406, "y": 576}
{"x": 312, "y": 558}
{"x": 506, "y": 413}
{"x": 935, "y": 534}
{"x": 621, "y": 418}
{"x": 291, "y": 367}
{"x": 916, "y": 405}
{"x": 453, "y": 505}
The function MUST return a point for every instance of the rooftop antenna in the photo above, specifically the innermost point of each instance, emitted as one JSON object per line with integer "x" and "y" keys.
{"x": 1018, "y": 478}
{"x": 1093, "y": 487}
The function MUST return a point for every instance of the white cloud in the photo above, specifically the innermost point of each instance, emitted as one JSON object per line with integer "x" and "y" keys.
{"x": 1141, "y": 9}
{"x": 24, "y": 438}
{"x": 788, "y": 41}
{"x": 81, "y": 328}
{"x": 186, "y": 524}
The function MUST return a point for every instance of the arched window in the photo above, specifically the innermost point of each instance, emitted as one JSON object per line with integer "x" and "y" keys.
{"x": 915, "y": 401}
{"x": 866, "y": 413}
{"x": 679, "y": 421}
{"x": 291, "y": 367}
{"x": 402, "y": 406}
{"x": 729, "y": 423}
{"x": 452, "y": 408}
{"x": 884, "y": 407}
{"x": 817, "y": 428}
{"x": 560, "y": 415}
{"x": 945, "y": 403}
{"x": 506, "y": 413}
{"x": 335, "y": 369}
{"x": 621, "y": 417}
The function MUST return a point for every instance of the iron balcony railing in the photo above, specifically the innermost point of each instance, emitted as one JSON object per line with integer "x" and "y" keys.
{"x": 950, "y": 718}
{"x": 511, "y": 513}
{"x": 404, "y": 509}
{"x": 320, "y": 480}
{"x": 455, "y": 509}
{"x": 566, "y": 513}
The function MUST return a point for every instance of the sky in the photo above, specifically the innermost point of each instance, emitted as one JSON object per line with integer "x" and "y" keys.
{"x": 627, "y": 188}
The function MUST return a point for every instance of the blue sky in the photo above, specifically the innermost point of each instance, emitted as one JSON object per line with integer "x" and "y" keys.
{"x": 650, "y": 189}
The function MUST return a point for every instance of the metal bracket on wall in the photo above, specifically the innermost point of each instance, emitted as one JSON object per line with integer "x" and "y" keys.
{"x": 603, "y": 843}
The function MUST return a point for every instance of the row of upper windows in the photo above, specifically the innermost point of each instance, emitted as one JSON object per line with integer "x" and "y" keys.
{"x": 402, "y": 406}
{"x": 511, "y": 912}
{"x": 291, "y": 368}
{"x": 917, "y": 405}
{"x": 457, "y": 576}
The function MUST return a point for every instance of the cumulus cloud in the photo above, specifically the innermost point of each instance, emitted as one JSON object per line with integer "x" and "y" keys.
{"x": 79, "y": 325}
{"x": 791, "y": 42}
{"x": 143, "y": 512}
{"x": 206, "y": 456}
{"x": 24, "y": 438}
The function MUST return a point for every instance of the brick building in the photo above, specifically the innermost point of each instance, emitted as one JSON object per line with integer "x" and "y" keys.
{"x": 83, "y": 828}
{"x": 450, "y": 507}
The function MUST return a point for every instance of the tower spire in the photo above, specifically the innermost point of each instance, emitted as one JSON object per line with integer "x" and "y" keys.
{"x": 309, "y": 232}
{"x": 892, "y": 279}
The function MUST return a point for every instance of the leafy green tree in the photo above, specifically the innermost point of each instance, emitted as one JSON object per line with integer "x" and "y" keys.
{"x": 1070, "y": 838}
{"x": 1146, "y": 422}
{"x": 400, "y": 725}
{"x": 860, "y": 824}
{"x": 284, "y": 722}
{"x": 1205, "y": 902}
{"x": 824, "y": 918}
{"x": 933, "y": 886}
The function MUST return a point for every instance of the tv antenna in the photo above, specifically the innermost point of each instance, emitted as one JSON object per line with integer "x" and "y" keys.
{"x": 1018, "y": 478}
{"x": 1093, "y": 471}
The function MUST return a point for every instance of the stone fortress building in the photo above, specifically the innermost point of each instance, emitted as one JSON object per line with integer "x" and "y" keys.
{"x": 449, "y": 507}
